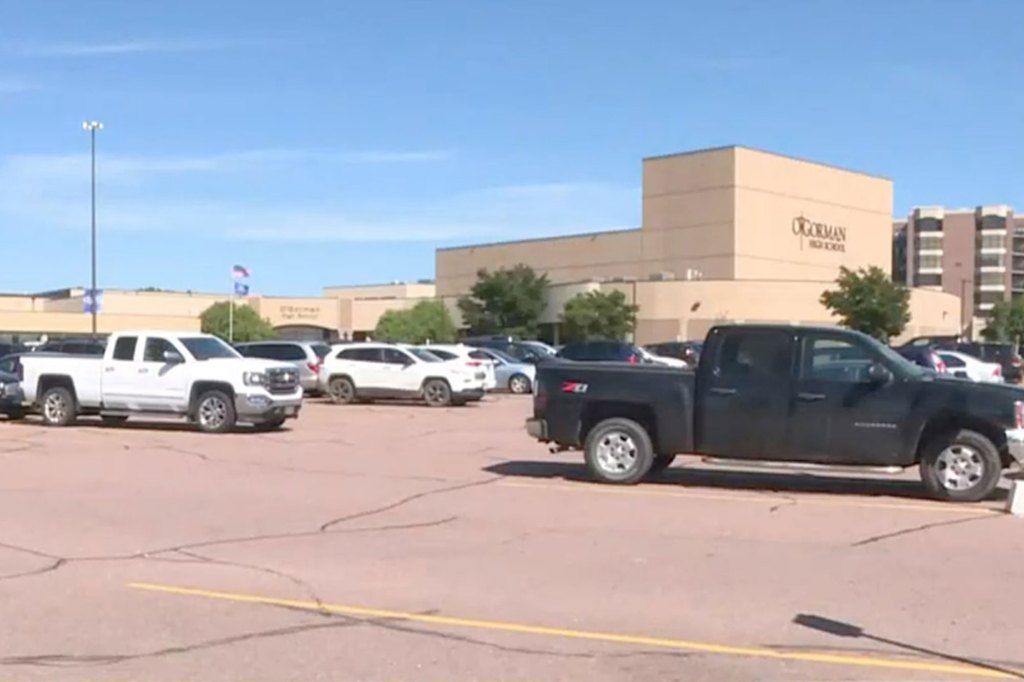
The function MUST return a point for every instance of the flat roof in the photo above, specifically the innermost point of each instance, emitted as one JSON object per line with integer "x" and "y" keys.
{"x": 769, "y": 153}
{"x": 595, "y": 233}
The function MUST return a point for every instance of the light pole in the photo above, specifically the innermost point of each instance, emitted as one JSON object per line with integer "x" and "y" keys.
{"x": 92, "y": 127}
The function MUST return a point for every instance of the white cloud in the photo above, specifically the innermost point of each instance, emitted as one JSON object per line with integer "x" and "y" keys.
{"x": 115, "y": 48}
{"x": 46, "y": 192}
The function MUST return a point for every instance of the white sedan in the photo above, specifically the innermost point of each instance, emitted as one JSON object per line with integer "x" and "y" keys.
{"x": 457, "y": 352}
{"x": 968, "y": 367}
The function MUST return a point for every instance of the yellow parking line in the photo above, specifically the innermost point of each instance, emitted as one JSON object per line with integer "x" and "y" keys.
{"x": 608, "y": 637}
{"x": 804, "y": 498}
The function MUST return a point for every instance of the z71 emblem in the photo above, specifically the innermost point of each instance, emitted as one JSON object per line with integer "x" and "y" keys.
{"x": 573, "y": 387}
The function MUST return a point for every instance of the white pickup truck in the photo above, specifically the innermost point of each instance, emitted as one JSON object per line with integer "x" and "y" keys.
{"x": 196, "y": 376}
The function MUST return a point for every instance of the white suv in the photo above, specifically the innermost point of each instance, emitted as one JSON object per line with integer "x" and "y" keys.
{"x": 365, "y": 371}
{"x": 464, "y": 354}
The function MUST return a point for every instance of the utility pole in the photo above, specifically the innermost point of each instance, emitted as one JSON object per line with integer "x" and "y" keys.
{"x": 92, "y": 127}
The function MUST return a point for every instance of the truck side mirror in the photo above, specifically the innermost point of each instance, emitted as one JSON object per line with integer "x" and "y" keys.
{"x": 173, "y": 357}
{"x": 879, "y": 374}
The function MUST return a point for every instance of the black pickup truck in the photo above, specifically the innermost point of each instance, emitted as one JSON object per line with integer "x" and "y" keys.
{"x": 817, "y": 396}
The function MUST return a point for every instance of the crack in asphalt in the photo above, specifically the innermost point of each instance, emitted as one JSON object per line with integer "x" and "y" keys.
{"x": 919, "y": 529}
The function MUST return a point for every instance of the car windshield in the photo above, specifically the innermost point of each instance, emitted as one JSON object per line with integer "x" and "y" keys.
{"x": 208, "y": 348}
{"x": 503, "y": 356}
{"x": 424, "y": 355}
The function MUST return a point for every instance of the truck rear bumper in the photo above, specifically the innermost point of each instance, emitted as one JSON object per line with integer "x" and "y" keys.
{"x": 1015, "y": 444}
{"x": 537, "y": 428}
{"x": 260, "y": 407}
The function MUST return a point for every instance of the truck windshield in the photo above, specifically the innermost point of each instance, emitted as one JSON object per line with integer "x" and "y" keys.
{"x": 208, "y": 348}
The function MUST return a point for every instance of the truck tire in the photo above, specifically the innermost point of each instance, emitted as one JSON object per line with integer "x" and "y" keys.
{"x": 661, "y": 462}
{"x": 437, "y": 393}
{"x": 341, "y": 390}
{"x": 58, "y": 407}
{"x": 215, "y": 412}
{"x": 960, "y": 466}
{"x": 618, "y": 450}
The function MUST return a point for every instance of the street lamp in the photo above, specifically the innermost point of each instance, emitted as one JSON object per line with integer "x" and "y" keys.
{"x": 91, "y": 127}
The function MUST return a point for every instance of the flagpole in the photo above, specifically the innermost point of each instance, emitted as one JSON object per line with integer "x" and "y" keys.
{"x": 231, "y": 315}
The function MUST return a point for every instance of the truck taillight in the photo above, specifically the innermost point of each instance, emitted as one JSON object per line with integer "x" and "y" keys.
{"x": 1018, "y": 413}
{"x": 540, "y": 399}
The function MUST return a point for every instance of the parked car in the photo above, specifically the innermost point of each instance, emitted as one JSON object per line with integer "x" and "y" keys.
{"x": 367, "y": 371}
{"x": 11, "y": 396}
{"x": 306, "y": 356}
{"x": 524, "y": 351}
{"x": 661, "y": 359}
{"x": 924, "y": 356}
{"x": 784, "y": 394}
{"x": 10, "y": 348}
{"x": 687, "y": 351}
{"x": 72, "y": 347}
{"x": 457, "y": 352}
{"x": 510, "y": 373}
{"x": 965, "y": 366}
{"x": 196, "y": 376}
{"x": 603, "y": 351}
{"x": 1006, "y": 354}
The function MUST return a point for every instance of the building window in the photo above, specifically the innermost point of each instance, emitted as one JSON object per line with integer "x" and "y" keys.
{"x": 983, "y": 297}
{"x": 991, "y": 241}
{"x": 928, "y": 242}
{"x": 928, "y": 262}
{"x": 991, "y": 278}
{"x": 991, "y": 222}
{"x": 990, "y": 260}
{"x": 927, "y": 225}
{"x": 928, "y": 280}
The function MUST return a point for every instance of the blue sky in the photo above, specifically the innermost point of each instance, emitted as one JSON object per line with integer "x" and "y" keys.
{"x": 327, "y": 142}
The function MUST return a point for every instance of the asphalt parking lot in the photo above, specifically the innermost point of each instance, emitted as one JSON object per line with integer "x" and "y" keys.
{"x": 397, "y": 542}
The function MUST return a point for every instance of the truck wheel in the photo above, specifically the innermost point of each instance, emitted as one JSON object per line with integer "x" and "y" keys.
{"x": 661, "y": 462}
{"x": 215, "y": 412}
{"x": 341, "y": 391}
{"x": 437, "y": 393}
{"x": 519, "y": 384}
{"x": 618, "y": 451}
{"x": 962, "y": 466}
{"x": 58, "y": 407}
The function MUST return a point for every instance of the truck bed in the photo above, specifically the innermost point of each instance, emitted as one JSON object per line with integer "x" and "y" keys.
{"x": 86, "y": 371}
{"x": 572, "y": 396}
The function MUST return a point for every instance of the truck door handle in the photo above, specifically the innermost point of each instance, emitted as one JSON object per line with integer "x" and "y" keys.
{"x": 108, "y": 369}
{"x": 143, "y": 371}
{"x": 810, "y": 397}
{"x": 724, "y": 391}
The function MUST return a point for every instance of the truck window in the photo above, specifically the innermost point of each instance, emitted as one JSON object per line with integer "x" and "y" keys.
{"x": 155, "y": 347}
{"x": 830, "y": 358}
{"x": 751, "y": 355}
{"x": 124, "y": 349}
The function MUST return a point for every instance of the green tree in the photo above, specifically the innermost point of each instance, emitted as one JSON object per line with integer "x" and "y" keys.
{"x": 506, "y": 301}
{"x": 869, "y": 301}
{"x": 1005, "y": 322}
{"x": 598, "y": 315}
{"x": 248, "y": 325}
{"x": 425, "y": 321}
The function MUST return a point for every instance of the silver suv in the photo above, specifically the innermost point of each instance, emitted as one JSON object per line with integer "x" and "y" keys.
{"x": 307, "y": 356}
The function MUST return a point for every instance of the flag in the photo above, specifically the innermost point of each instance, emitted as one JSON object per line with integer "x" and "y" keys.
{"x": 239, "y": 272}
{"x": 241, "y": 289}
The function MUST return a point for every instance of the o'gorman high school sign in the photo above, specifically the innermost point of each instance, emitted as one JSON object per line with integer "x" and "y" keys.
{"x": 819, "y": 235}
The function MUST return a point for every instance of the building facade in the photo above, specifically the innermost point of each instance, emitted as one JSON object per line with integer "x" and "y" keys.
{"x": 729, "y": 233}
{"x": 976, "y": 254}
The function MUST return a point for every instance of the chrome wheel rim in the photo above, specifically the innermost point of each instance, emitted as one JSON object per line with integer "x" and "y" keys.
{"x": 55, "y": 408}
{"x": 960, "y": 467}
{"x": 616, "y": 453}
{"x": 435, "y": 392}
{"x": 518, "y": 385}
{"x": 213, "y": 412}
